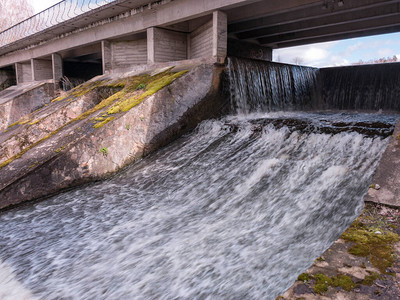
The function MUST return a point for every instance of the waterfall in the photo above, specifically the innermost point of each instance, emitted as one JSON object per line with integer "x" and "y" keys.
{"x": 266, "y": 86}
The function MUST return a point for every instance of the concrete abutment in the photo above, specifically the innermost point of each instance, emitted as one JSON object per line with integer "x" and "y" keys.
{"x": 204, "y": 37}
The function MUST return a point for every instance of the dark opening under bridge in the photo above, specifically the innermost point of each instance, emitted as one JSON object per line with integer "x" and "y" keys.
{"x": 84, "y": 38}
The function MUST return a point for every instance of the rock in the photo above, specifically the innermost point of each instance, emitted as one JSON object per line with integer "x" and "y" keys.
{"x": 375, "y": 186}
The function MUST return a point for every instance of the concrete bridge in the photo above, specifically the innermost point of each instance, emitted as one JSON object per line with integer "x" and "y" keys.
{"x": 84, "y": 38}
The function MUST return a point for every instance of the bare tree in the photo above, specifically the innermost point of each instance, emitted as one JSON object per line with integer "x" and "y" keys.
{"x": 13, "y": 12}
{"x": 297, "y": 60}
{"x": 381, "y": 60}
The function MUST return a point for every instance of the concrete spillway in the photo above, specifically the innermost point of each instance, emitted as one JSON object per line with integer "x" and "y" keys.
{"x": 216, "y": 214}
{"x": 235, "y": 209}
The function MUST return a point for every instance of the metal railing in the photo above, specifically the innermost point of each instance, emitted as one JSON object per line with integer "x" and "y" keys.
{"x": 54, "y": 15}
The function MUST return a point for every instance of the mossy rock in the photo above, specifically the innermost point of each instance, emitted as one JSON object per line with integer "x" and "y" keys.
{"x": 371, "y": 243}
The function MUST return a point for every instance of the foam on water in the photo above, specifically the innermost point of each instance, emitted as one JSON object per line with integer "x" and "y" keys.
{"x": 219, "y": 214}
{"x": 10, "y": 287}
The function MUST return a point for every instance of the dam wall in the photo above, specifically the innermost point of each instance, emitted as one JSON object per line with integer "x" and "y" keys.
{"x": 365, "y": 87}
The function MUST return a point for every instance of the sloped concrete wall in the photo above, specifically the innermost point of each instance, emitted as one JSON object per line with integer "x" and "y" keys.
{"x": 72, "y": 155}
{"x": 19, "y": 101}
{"x": 387, "y": 175}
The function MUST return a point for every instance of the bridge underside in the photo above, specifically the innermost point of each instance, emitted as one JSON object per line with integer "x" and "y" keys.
{"x": 190, "y": 29}
{"x": 317, "y": 21}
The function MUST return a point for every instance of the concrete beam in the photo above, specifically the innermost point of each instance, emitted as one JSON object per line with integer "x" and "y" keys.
{"x": 350, "y": 27}
{"x": 267, "y": 8}
{"x": 94, "y": 15}
{"x": 305, "y": 14}
{"x": 336, "y": 37}
{"x": 163, "y": 15}
{"x": 363, "y": 15}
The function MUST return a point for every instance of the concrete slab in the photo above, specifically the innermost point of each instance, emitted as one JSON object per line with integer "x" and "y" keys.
{"x": 387, "y": 175}
{"x": 18, "y": 101}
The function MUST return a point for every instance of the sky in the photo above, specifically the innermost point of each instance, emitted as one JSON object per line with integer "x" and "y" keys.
{"x": 337, "y": 53}
{"x": 344, "y": 52}
{"x": 39, "y": 5}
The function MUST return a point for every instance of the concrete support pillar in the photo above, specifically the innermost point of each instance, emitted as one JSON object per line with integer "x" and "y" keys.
{"x": 220, "y": 36}
{"x": 150, "y": 45}
{"x": 106, "y": 56}
{"x": 57, "y": 67}
{"x": 23, "y": 72}
{"x": 42, "y": 69}
{"x": 18, "y": 73}
{"x": 165, "y": 45}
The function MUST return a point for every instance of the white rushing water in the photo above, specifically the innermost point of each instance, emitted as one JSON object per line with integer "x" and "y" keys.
{"x": 219, "y": 214}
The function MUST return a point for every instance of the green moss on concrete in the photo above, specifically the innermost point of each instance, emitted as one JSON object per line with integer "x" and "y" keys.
{"x": 21, "y": 121}
{"x": 320, "y": 282}
{"x": 34, "y": 122}
{"x": 374, "y": 243}
{"x": 133, "y": 91}
{"x": 343, "y": 281}
{"x": 304, "y": 277}
{"x": 104, "y": 150}
{"x": 85, "y": 88}
{"x": 370, "y": 279}
{"x": 33, "y": 165}
{"x": 22, "y": 152}
{"x": 101, "y": 124}
{"x": 153, "y": 85}
{"x": 60, "y": 98}
{"x": 59, "y": 149}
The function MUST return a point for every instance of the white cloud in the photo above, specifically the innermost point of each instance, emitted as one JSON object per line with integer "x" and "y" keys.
{"x": 341, "y": 53}
{"x": 355, "y": 47}
{"x": 315, "y": 55}
{"x": 385, "y": 52}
